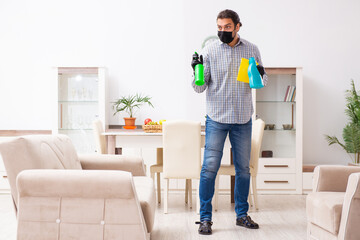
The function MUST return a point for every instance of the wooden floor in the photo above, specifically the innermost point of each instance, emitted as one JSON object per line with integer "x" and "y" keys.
{"x": 280, "y": 217}
{"x": 7, "y": 218}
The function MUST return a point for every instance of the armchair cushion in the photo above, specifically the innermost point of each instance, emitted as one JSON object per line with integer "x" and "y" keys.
{"x": 324, "y": 210}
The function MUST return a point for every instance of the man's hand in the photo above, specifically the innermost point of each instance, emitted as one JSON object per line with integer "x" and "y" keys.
{"x": 261, "y": 70}
{"x": 196, "y": 62}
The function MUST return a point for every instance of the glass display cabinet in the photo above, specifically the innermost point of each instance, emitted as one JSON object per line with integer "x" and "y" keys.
{"x": 80, "y": 100}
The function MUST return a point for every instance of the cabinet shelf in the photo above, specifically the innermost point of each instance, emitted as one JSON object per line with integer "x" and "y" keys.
{"x": 92, "y": 101}
{"x": 280, "y": 130}
{"x": 274, "y": 102}
{"x": 77, "y": 129}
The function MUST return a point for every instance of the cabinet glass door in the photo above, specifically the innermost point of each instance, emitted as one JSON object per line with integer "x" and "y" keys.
{"x": 78, "y": 105}
{"x": 276, "y": 105}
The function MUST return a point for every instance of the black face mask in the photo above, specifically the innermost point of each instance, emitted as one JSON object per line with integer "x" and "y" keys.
{"x": 225, "y": 37}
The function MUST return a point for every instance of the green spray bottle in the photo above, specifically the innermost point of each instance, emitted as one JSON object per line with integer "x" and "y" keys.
{"x": 199, "y": 69}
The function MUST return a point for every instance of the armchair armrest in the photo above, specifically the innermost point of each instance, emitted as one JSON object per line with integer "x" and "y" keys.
{"x": 350, "y": 216}
{"x": 132, "y": 164}
{"x": 332, "y": 178}
{"x": 75, "y": 184}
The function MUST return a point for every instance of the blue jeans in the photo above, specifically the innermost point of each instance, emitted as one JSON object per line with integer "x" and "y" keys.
{"x": 240, "y": 139}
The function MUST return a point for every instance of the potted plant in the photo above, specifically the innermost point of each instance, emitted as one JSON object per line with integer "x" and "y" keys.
{"x": 351, "y": 132}
{"x": 129, "y": 104}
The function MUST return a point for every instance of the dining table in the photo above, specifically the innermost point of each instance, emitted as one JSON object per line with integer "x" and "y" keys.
{"x": 137, "y": 138}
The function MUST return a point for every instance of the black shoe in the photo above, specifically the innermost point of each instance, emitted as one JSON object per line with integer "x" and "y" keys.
{"x": 205, "y": 227}
{"x": 247, "y": 222}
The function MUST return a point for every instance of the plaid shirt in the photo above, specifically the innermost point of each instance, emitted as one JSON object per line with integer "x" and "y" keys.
{"x": 227, "y": 100}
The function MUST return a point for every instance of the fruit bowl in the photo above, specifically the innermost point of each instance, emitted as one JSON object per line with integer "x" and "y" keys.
{"x": 152, "y": 128}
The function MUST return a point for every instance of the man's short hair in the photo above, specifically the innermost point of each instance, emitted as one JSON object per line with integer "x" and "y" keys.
{"x": 227, "y": 13}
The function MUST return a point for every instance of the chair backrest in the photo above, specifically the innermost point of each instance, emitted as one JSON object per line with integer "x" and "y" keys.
{"x": 256, "y": 140}
{"x": 100, "y": 140}
{"x": 37, "y": 152}
{"x": 182, "y": 149}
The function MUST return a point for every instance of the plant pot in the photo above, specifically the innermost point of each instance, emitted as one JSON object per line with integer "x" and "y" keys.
{"x": 129, "y": 121}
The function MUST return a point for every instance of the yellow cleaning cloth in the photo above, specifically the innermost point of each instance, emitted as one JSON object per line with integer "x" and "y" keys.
{"x": 243, "y": 71}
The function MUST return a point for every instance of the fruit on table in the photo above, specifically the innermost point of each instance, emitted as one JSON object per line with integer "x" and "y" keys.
{"x": 147, "y": 121}
{"x": 153, "y": 123}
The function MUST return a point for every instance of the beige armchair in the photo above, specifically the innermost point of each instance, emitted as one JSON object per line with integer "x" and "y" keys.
{"x": 333, "y": 208}
{"x": 58, "y": 195}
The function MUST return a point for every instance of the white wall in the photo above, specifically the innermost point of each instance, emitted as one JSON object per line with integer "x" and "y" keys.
{"x": 147, "y": 47}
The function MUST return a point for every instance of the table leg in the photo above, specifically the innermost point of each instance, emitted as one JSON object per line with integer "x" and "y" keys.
{"x": 118, "y": 151}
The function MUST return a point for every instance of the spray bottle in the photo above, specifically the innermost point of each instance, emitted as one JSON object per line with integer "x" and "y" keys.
{"x": 199, "y": 70}
{"x": 255, "y": 79}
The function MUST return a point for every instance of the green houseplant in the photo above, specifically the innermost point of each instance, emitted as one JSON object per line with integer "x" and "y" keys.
{"x": 129, "y": 104}
{"x": 351, "y": 132}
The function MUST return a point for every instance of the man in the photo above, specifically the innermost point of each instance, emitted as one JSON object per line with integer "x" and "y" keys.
{"x": 229, "y": 110}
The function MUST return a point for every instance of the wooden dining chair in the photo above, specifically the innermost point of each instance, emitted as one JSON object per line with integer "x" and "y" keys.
{"x": 157, "y": 169}
{"x": 100, "y": 140}
{"x": 182, "y": 155}
{"x": 229, "y": 169}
